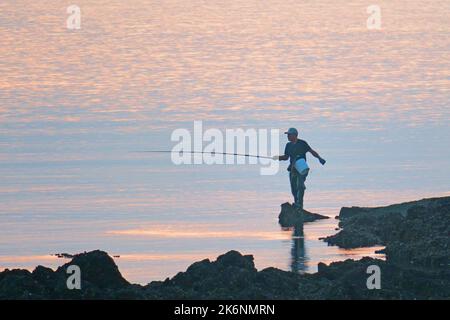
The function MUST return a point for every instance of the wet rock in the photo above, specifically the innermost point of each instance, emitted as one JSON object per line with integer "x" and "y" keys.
{"x": 19, "y": 284}
{"x": 401, "y": 208}
{"x": 233, "y": 276}
{"x": 98, "y": 269}
{"x": 235, "y": 259}
{"x": 339, "y": 280}
{"x": 423, "y": 239}
{"x": 100, "y": 279}
{"x": 228, "y": 276}
{"x": 416, "y": 236}
{"x": 363, "y": 227}
{"x": 290, "y": 216}
{"x": 354, "y": 238}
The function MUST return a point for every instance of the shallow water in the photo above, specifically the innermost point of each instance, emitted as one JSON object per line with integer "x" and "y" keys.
{"x": 73, "y": 104}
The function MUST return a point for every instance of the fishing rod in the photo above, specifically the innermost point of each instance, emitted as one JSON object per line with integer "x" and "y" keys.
{"x": 203, "y": 152}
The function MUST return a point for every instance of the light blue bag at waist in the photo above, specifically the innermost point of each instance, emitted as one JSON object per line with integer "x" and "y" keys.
{"x": 302, "y": 167}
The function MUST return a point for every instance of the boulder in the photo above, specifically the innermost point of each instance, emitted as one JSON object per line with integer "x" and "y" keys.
{"x": 98, "y": 269}
{"x": 291, "y": 216}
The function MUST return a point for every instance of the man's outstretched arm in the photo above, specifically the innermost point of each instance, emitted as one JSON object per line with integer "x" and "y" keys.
{"x": 281, "y": 158}
{"x": 315, "y": 154}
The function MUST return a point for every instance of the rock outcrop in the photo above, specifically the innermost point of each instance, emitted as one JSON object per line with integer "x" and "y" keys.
{"x": 416, "y": 235}
{"x": 414, "y": 232}
{"x": 290, "y": 216}
{"x": 340, "y": 280}
{"x": 231, "y": 276}
{"x": 100, "y": 278}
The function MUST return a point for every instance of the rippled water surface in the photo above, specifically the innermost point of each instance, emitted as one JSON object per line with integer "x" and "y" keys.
{"x": 74, "y": 103}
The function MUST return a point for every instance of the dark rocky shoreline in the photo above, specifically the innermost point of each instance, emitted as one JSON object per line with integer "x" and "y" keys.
{"x": 416, "y": 236}
{"x": 416, "y": 232}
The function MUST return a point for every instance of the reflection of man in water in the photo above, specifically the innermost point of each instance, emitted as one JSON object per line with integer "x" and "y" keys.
{"x": 298, "y": 263}
{"x": 296, "y": 149}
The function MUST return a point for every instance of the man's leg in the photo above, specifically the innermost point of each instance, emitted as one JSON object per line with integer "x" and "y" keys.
{"x": 294, "y": 184}
{"x": 300, "y": 189}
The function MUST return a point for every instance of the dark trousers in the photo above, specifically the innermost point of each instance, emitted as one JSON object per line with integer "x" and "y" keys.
{"x": 297, "y": 186}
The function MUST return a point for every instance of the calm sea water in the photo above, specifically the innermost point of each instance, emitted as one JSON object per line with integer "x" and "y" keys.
{"x": 74, "y": 103}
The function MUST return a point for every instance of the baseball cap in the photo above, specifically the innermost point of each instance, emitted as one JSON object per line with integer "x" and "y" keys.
{"x": 292, "y": 131}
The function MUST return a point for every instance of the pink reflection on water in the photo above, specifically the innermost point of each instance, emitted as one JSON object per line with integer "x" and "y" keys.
{"x": 177, "y": 233}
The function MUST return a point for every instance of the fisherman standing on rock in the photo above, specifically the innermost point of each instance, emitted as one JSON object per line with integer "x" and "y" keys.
{"x": 295, "y": 151}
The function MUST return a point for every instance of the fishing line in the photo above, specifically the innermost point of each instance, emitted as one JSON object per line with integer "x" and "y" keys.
{"x": 203, "y": 152}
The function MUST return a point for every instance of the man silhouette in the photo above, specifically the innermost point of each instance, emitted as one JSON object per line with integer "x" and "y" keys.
{"x": 295, "y": 150}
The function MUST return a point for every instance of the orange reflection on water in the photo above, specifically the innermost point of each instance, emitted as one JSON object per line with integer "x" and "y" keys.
{"x": 176, "y": 233}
